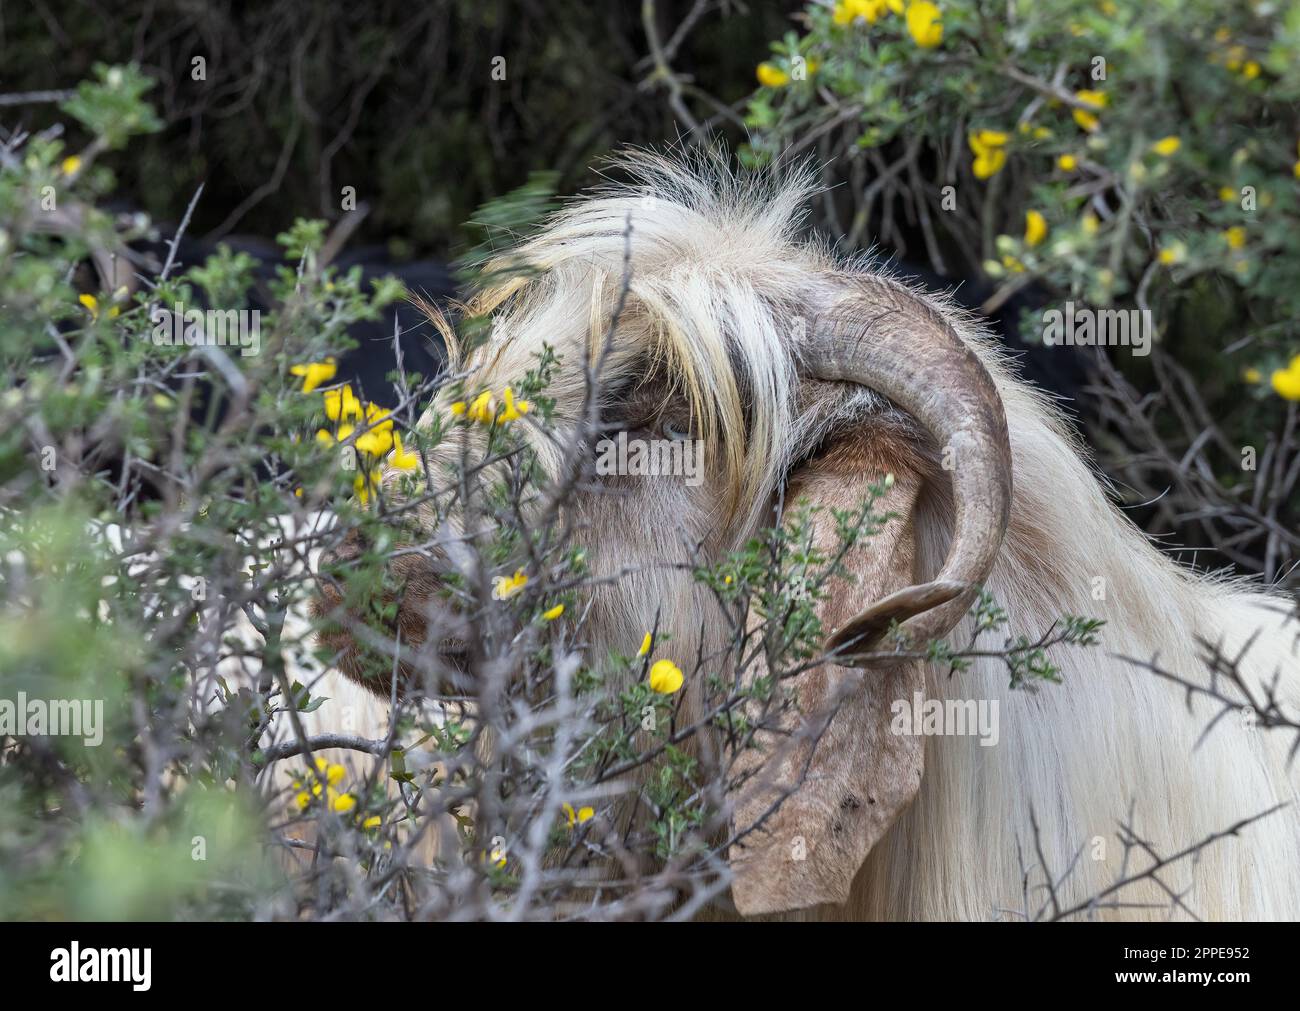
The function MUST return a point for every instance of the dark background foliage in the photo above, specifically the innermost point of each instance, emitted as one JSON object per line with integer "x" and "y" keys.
{"x": 397, "y": 99}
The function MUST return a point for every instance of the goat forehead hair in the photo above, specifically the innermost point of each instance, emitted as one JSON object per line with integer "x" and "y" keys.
{"x": 720, "y": 290}
{"x": 715, "y": 280}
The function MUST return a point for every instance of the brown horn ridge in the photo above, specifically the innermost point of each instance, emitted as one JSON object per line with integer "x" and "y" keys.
{"x": 891, "y": 341}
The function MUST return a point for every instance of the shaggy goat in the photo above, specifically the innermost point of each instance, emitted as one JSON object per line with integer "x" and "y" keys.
{"x": 811, "y": 377}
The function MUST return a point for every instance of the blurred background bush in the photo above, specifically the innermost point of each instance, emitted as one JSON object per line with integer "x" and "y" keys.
{"x": 296, "y": 99}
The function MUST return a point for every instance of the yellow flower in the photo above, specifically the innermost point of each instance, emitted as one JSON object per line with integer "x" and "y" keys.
{"x": 482, "y": 409}
{"x": 987, "y": 146}
{"x": 342, "y": 404}
{"x": 378, "y": 418}
{"x": 401, "y": 459}
{"x": 1227, "y": 194}
{"x": 375, "y": 442}
{"x": 1035, "y": 228}
{"x": 458, "y": 408}
{"x": 506, "y": 587}
{"x": 872, "y": 10}
{"x": 665, "y": 677}
{"x": 1093, "y": 99}
{"x": 1235, "y": 236}
{"x": 70, "y": 165}
{"x": 1090, "y": 223}
{"x": 1252, "y": 375}
{"x": 982, "y": 140}
{"x": 302, "y": 800}
{"x": 1012, "y": 264}
{"x": 314, "y": 373}
{"x": 1286, "y": 382}
{"x": 1172, "y": 254}
{"x": 771, "y": 76}
{"x": 1236, "y": 55}
{"x": 1067, "y": 163}
{"x": 324, "y": 437}
{"x": 990, "y": 164}
{"x": 1250, "y": 70}
{"x": 925, "y": 24}
{"x": 553, "y": 613}
{"x": 363, "y": 486}
{"x": 344, "y": 803}
{"x": 645, "y": 645}
{"x": 374, "y": 821}
{"x": 498, "y": 857}
{"x": 1166, "y": 146}
{"x": 1295, "y": 170}
{"x": 847, "y": 11}
{"x": 578, "y": 817}
{"x": 92, "y": 304}
{"x": 334, "y": 774}
{"x": 514, "y": 410}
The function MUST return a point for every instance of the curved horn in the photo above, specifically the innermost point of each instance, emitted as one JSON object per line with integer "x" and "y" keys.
{"x": 896, "y": 344}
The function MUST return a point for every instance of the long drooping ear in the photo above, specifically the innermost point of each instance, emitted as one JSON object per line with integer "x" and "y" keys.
{"x": 826, "y": 784}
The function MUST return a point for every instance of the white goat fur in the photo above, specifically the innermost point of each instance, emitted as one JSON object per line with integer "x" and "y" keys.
{"x": 713, "y": 258}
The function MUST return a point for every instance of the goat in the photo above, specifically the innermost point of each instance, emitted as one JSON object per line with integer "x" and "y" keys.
{"x": 810, "y": 376}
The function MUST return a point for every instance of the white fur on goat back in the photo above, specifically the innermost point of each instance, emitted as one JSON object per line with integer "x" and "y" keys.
{"x": 718, "y": 276}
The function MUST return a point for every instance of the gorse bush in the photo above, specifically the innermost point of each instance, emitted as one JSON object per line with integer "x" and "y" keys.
{"x": 170, "y": 506}
{"x": 142, "y": 481}
{"x": 1110, "y": 151}
{"x": 1107, "y": 154}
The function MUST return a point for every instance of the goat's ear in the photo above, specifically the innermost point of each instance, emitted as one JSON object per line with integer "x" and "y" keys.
{"x": 826, "y": 783}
